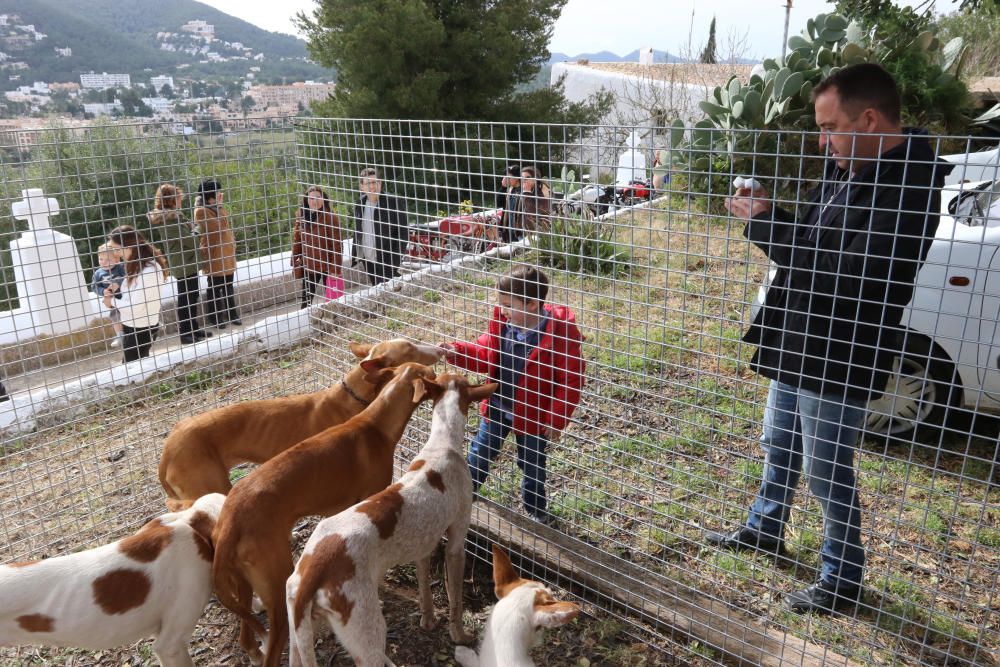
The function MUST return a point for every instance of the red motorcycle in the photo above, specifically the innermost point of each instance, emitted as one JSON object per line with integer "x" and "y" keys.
{"x": 635, "y": 192}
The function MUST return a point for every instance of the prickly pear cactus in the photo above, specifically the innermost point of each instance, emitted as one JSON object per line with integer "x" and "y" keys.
{"x": 779, "y": 98}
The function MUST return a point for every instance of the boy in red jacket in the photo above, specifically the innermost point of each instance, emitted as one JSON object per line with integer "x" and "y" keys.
{"x": 533, "y": 350}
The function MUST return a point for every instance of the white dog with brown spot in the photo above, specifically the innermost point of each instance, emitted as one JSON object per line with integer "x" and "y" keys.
{"x": 346, "y": 557}
{"x": 155, "y": 582}
{"x": 524, "y": 610}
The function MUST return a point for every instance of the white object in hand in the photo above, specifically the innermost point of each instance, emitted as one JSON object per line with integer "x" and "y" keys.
{"x": 750, "y": 184}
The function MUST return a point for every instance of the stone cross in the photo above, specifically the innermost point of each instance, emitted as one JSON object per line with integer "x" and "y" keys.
{"x": 36, "y": 208}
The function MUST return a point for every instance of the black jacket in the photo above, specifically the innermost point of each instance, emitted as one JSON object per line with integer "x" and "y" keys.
{"x": 846, "y": 269}
{"x": 391, "y": 232}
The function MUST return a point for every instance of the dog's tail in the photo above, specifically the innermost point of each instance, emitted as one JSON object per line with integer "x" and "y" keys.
{"x": 227, "y": 579}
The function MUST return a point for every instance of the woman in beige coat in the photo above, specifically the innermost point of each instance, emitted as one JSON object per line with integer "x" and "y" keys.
{"x": 218, "y": 255}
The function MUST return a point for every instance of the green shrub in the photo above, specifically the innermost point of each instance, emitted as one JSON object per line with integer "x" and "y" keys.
{"x": 580, "y": 245}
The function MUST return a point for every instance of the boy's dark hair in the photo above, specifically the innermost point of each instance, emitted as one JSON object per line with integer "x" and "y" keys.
{"x": 525, "y": 282}
{"x": 864, "y": 86}
{"x": 208, "y": 189}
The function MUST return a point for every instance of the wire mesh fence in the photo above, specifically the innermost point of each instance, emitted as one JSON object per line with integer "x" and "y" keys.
{"x": 875, "y": 294}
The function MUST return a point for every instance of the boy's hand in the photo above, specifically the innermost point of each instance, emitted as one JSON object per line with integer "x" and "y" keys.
{"x": 552, "y": 435}
{"x": 449, "y": 349}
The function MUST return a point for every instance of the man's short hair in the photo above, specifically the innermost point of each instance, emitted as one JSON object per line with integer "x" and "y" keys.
{"x": 525, "y": 282}
{"x": 514, "y": 170}
{"x": 864, "y": 86}
{"x": 369, "y": 172}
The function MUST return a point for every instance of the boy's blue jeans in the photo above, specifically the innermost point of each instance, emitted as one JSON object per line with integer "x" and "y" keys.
{"x": 804, "y": 427}
{"x": 485, "y": 448}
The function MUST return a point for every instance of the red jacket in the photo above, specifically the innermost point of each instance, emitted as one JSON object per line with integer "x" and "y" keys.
{"x": 552, "y": 379}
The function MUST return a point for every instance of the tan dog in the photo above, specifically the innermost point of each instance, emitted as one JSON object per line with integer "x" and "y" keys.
{"x": 524, "y": 610}
{"x": 200, "y": 451}
{"x": 348, "y": 554}
{"x": 155, "y": 582}
{"x": 322, "y": 475}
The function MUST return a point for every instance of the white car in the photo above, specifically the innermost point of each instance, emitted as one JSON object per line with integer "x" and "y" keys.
{"x": 952, "y": 350}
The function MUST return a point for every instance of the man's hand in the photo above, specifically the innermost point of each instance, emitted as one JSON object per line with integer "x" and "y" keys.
{"x": 552, "y": 435}
{"x": 747, "y": 203}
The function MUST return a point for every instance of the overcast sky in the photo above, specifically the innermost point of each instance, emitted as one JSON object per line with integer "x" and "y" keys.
{"x": 588, "y": 26}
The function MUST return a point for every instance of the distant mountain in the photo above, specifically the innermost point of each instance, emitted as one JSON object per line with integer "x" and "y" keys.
{"x": 609, "y": 57}
{"x": 121, "y": 36}
{"x": 633, "y": 57}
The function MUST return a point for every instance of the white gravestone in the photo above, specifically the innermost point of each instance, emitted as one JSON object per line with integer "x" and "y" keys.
{"x": 632, "y": 162}
{"x": 47, "y": 273}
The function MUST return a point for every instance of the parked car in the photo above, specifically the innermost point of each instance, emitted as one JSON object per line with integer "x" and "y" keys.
{"x": 951, "y": 355}
{"x": 976, "y": 166}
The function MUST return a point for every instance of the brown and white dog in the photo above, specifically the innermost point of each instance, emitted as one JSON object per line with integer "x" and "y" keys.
{"x": 321, "y": 475}
{"x": 155, "y": 582}
{"x": 348, "y": 554}
{"x": 516, "y": 623}
{"x": 200, "y": 450}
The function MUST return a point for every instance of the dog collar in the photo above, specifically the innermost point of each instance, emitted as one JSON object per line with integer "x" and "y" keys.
{"x": 350, "y": 392}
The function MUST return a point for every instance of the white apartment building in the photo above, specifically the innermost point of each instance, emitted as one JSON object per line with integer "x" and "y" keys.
{"x": 102, "y": 109}
{"x": 159, "y": 105}
{"x": 105, "y": 80}
{"x": 285, "y": 96}
{"x": 157, "y": 82}
{"x": 200, "y": 28}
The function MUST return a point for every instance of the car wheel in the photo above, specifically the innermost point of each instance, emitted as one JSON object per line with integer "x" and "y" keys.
{"x": 921, "y": 388}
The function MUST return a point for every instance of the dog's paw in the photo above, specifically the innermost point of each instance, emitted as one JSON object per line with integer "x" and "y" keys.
{"x": 466, "y": 657}
{"x": 459, "y": 635}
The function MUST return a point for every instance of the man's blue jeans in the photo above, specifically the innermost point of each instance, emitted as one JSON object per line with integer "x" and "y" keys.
{"x": 485, "y": 448}
{"x": 804, "y": 427}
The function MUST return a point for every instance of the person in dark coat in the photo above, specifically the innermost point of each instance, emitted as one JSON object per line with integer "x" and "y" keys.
{"x": 534, "y": 203}
{"x": 507, "y": 204}
{"x": 380, "y": 230}
{"x": 315, "y": 243}
{"x": 830, "y": 325}
{"x": 177, "y": 239}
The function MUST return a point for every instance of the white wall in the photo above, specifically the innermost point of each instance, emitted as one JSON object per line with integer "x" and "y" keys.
{"x": 583, "y": 81}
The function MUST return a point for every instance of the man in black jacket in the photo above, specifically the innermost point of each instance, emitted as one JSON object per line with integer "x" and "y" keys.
{"x": 829, "y": 329}
{"x": 380, "y": 230}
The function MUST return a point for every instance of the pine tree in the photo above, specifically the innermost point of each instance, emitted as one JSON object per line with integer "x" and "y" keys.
{"x": 421, "y": 59}
{"x": 708, "y": 55}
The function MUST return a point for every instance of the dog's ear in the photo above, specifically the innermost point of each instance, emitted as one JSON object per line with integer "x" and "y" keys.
{"x": 203, "y": 525}
{"x": 375, "y": 374}
{"x": 504, "y": 576}
{"x": 433, "y": 388}
{"x": 552, "y": 613}
{"x": 361, "y": 350}
{"x": 374, "y": 364}
{"x": 477, "y": 393}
